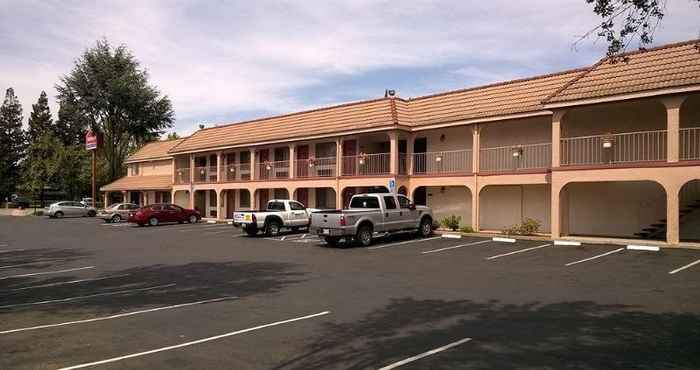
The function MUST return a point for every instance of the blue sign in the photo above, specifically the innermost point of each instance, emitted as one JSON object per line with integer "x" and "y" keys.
{"x": 392, "y": 185}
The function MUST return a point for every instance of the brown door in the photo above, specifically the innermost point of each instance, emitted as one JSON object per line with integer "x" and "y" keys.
{"x": 349, "y": 164}
{"x": 264, "y": 172}
{"x": 230, "y": 202}
{"x": 302, "y": 154}
{"x": 303, "y": 196}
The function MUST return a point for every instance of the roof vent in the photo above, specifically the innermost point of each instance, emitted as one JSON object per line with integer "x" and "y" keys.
{"x": 388, "y": 93}
{"x": 201, "y": 126}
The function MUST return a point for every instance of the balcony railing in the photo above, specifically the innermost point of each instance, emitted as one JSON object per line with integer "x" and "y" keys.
{"x": 366, "y": 164}
{"x": 182, "y": 176}
{"x": 403, "y": 164}
{"x": 453, "y": 161}
{"x": 514, "y": 158}
{"x": 203, "y": 175}
{"x": 690, "y": 143}
{"x": 318, "y": 167}
{"x": 629, "y": 147}
{"x": 272, "y": 170}
{"x": 236, "y": 172}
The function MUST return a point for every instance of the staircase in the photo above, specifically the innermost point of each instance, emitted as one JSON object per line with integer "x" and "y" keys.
{"x": 657, "y": 231}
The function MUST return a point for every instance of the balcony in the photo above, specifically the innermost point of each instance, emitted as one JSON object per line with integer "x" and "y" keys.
{"x": 272, "y": 170}
{"x": 205, "y": 175}
{"x": 446, "y": 162}
{"x": 612, "y": 149}
{"x": 690, "y": 144}
{"x": 515, "y": 158}
{"x": 367, "y": 164}
{"x": 312, "y": 168}
{"x": 236, "y": 172}
{"x": 182, "y": 176}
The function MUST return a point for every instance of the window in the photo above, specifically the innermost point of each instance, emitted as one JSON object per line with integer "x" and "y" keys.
{"x": 390, "y": 202}
{"x": 275, "y": 206}
{"x": 364, "y": 202}
{"x": 296, "y": 206}
{"x": 403, "y": 202}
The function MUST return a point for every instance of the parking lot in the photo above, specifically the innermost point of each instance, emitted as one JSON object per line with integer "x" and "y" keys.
{"x": 78, "y": 293}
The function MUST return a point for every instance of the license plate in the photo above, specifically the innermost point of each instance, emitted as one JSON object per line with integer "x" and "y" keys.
{"x": 326, "y": 231}
{"x": 247, "y": 217}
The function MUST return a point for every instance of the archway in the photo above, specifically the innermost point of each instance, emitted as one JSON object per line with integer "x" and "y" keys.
{"x": 403, "y": 191}
{"x": 689, "y": 217}
{"x": 206, "y": 203}
{"x": 503, "y": 206}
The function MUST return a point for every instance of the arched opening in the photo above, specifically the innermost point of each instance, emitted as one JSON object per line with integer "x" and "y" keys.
{"x": 446, "y": 201}
{"x": 280, "y": 193}
{"x": 503, "y": 206}
{"x": 620, "y": 209}
{"x": 689, "y": 217}
{"x": 206, "y": 203}
{"x": 301, "y": 195}
{"x": 324, "y": 198}
{"x": 182, "y": 198}
{"x": 403, "y": 191}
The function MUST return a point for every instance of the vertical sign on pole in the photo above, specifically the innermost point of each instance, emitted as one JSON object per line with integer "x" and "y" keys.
{"x": 91, "y": 142}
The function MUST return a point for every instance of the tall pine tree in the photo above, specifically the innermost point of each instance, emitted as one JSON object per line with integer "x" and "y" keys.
{"x": 40, "y": 121}
{"x": 12, "y": 143}
{"x": 41, "y": 165}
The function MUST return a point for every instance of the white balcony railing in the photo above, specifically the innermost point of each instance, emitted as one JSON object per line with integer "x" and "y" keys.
{"x": 643, "y": 146}
{"x": 690, "y": 143}
{"x": 236, "y": 172}
{"x": 366, "y": 164}
{"x": 272, "y": 170}
{"x": 513, "y": 158}
{"x": 453, "y": 161}
{"x": 203, "y": 175}
{"x": 182, "y": 176}
{"x": 318, "y": 167}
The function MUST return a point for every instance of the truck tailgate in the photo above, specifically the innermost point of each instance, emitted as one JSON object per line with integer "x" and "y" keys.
{"x": 243, "y": 217}
{"x": 329, "y": 220}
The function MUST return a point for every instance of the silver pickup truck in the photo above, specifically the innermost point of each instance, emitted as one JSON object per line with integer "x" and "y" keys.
{"x": 369, "y": 214}
{"x": 279, "y": 214}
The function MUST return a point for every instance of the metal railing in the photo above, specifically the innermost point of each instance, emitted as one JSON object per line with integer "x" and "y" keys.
{"x": 690, "y": 143}
{"x": 318, "y": 167}
{"x": 182, "y": 176}
{"x": 366, "y": 164}
{"x": 514, "y": 158}
{"x": 272, "y": 170}
{"x": 403, "y": 164}
{"x": 452, "y": 161}
{"x": 628, "y": 147}
{"x": 203, "y": 175}
{"x": 236, "y": 172}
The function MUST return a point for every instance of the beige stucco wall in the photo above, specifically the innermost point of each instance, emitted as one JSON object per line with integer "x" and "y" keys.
{"x": 454, "y": 200}
{"x": 614, "y": 208}
{"x": 182, "y": 199}
{"x": 152, "y": 168}
{"x": 534, "y": 130}
{"x": 503, "y": 206}
{"x": 642, "y": 115}
{"x": 456, "y": 138}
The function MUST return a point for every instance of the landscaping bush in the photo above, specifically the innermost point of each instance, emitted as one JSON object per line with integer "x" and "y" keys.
{"x": 528, "y": 227}
{"x": 467, "y": 229}
{"x": 451, "y": 222}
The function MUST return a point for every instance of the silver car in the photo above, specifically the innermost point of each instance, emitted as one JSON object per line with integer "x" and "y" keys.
{"x": 71, "y": 209}
{"x": 117, "y": 212}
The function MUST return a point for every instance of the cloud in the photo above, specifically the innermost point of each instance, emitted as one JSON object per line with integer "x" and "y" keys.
{"x": 231, "y": 60}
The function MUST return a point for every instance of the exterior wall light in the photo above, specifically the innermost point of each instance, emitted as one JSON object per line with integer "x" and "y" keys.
{"x": 438, "y": 158}
{"x": 608, "y": 141}
{"x": 517, "y": 151}
{"x": 312, "y": 162}
{"x": 201, "y": 172}
{"x": 363, "y": 157}
{"x": 232, "y": 169}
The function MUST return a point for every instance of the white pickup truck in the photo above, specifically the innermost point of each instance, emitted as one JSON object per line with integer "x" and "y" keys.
{"x": 279, "y": 214}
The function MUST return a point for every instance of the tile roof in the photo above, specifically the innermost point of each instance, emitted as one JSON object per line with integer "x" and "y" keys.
{"x": 353, "y": 116}
{"x": 154, "y": 150}
{"x": 669, "y": 66}
{"x": 160, "y": 182}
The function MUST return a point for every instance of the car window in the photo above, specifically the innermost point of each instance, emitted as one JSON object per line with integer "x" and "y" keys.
{"x": 403, "y": 202}
{"x": 364, "y": 202}
{"x": 169, "y": 207}
{"x": 76, "y": 204}
{"x": 390, "y": 202}
{"x": 275, "y": 206}
{"x": 296, "y": 206}
{"x": 156, "y": 207}
{"x": 177, "y": 208}
{"x": 120, "y": 207}
{"x": 133, "y": 206}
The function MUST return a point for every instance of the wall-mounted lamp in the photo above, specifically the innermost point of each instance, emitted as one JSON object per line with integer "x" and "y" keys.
{"x": 608, "y": 141}
{"x": 442, "y": 189}
{"x": 517, "y": 151}
{"x": 438, "y": 159}
{"x": 442, "y": 138}
{"x": 201, "y": 172}
{"x": 232, "y": 169}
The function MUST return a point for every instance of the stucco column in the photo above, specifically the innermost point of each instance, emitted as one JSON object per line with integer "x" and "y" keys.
{"x": 476, "y": 147}
{"x": 410, "y": 147}
{"x": 191, "y": 168}
{"x": 292, "y": 162}
{"x": 394, "y": 152}
{"x": 218, "y": 166}
{"x": 338, "y": 157}
{"x": 191, "y": 205}
{"x": 559, "y": 211}
{"x": 672, "y": 216}
{"x": 219, "y": 204}
{"x": 338, "y": 198}
{"x": 106, "y": 198}
{"x": 475, "y": 209}
{"x": 673, "y": 123}
{"x": 174, "y": 169}
{"x": 125, "y": 198}
{"x": 253, "y": 165}
{"x": 557, "y": 118}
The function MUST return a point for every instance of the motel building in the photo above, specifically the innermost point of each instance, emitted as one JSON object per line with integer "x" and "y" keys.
{"x": 610, "y": 151}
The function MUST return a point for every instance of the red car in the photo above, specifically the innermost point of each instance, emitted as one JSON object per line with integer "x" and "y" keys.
{"x": 163, "y": 212}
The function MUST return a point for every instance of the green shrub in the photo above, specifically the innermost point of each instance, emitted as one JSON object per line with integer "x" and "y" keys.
{"x": 451, "y": 222}
{"x": 467, "y": 229}
{"x": 528, "y": 227}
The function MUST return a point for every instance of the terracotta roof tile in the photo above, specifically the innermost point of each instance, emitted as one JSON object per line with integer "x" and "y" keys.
{"x": 154, "y": 150}
{"x": 160, "y": 182}
{"x": 674, "y": 65}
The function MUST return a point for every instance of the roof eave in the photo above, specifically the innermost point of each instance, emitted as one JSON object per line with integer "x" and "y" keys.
{"x": 622, "y": 97}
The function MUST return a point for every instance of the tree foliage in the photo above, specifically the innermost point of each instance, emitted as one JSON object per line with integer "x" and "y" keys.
{"x": 173, "y": 135}
{"x": 70, "y": 125}
{"x": 12, "y": 143}
{"x": 40, "y": 121}
{"x": 109, "y": 91}
{"x": 42, "y": 164}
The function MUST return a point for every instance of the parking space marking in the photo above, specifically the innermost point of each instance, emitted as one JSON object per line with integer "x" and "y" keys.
{"x": 68, "y": 282}
{"x": 404, "y": 242}
{"x": 12, "y": 250}
{"x": 456, "y": 246}
{"x": 27, "y": 264}
{"x": 127, "y": 314}
{"x": 684, "y": 267}
{"x": 518, "y": 251}
{"x": 595, "y": 257}
{"x": 71, "y": 299}
{"x": 47, "y": 272}
{"x": 425, "y": 354}
{"x": 195, "y": 342}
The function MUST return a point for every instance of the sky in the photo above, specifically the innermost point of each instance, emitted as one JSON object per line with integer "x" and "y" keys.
{"x": 227, "y": 61}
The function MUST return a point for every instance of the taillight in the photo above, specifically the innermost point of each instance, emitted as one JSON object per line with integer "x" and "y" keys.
{"x": 253, "y": 218}
{"x": 342, "y": 220}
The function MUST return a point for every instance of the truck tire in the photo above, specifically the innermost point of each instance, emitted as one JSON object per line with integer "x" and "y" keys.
{"x": 252, "y": 231}
{"x": 332, "y": 241}
{"x": 273, "y": 228}
{"x": 425, "y": 229}
{"x": 364, "y": 235}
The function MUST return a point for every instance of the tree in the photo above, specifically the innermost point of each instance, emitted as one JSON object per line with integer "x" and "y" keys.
{"x": 173, "y": 135}
{"x": 42, "y": 164}
{"x": 623, "y": 21}
{"x": 108, "y": 89}
{"x": 40, "y": 121}
{"x": 70, "y": 126}
{"x": 12, "y": 143}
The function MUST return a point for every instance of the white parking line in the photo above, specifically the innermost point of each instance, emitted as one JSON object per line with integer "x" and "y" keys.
{"x": 27, "y": 264}
{"x": 68, "y": 282}
{"x": 684, "y": 267}
{"x": 70, "y": 299}
{"x": 455, "y": 247}
{"x": 199, "y": 341}
{"x": 406, "y": 242}
{"x": 115, "y": 316}
{"x": 47, "y": 272}
{"x": 425, "y": 354}
{"x": 12, "y": 250}
{"x": 518, "y": 251}
{"x": 594, "y": 257}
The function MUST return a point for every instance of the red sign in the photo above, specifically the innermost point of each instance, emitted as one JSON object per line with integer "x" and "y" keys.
{"x": 90, "y": 140}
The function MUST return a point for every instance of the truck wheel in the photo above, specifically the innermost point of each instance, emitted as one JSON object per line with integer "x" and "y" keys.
{"x": 251, "y": 231}
{"x": 273, "y": 228}
{"x": 332, "y": 241}
{"x": 426, "y": 227}
{"x": 364, "y": 235}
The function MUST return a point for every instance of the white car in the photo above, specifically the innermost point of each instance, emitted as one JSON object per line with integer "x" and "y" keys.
{"x": 279, "y": 214}
{"x": 70, "y": 209}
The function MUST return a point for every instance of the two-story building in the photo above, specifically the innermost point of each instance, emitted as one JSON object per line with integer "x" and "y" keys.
{"x": 610, "y": 150}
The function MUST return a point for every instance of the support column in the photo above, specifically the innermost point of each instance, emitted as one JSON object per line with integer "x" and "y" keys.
{"x": 125, "y": 198}
{"x": 191, "y": 168}
{"x": 253, "y": 167}
{"x": 174, "y": 169}
{"x": 219, "y": 204}
{"x": 192, "y": 202}
{"x": 410, "y": 146}
{"x": 218, "y": 166}
{"x": 476, "y": 146}
{"x": 672, "y": 216}
{"x": 106, "y": 199}
{"x": 673, "y": 123}
{"x": 557, "y": 118}
{"x": 475, "y": 209}
{"x": 292, "y": 162}
{"x": 559, "y": 212}
{"x": 394, "y": 153}
{"x": 339, "y": 156}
